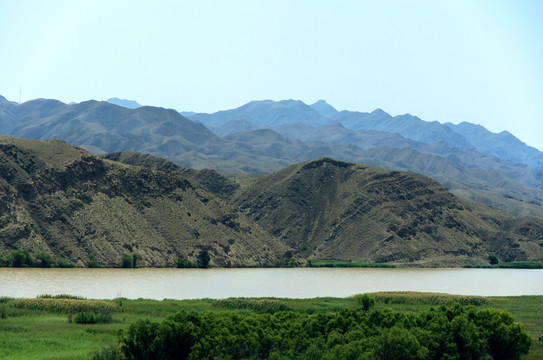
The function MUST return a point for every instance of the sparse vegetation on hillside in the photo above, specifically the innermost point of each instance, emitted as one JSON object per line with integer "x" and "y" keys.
{"x": 327, "y": 209}
{"x": 61, "y": 200}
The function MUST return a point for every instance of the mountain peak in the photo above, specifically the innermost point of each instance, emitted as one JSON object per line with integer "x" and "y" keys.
{"x": 325, "y": 161}
{"x": 130, "y": 104}
{"x": 3, "y": 100}
{"x": 380, "y": 112}
{"x": 323, "y": 108}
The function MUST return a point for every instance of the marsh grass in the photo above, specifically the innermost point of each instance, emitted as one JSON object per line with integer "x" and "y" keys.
{"x": 43, "y": 333}
{"x": 257, "y": 305}
{"x": 60, "y": 296}
{"x": 414, "y": 298}
{"x": 62, "y": 305}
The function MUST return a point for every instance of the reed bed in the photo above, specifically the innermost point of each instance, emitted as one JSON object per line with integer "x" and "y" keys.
{"x": 70, "y": 306}
{"x": 257, "y": 305}
{"x": 412, "y": 297}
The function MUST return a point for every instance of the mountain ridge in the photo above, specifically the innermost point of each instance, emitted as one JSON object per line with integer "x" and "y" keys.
{"x": 406, "y": 125}
{"x": 102, "y": 128}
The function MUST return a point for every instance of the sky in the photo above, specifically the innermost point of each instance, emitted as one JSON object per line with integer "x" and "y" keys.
{"x": 447, "y": 61}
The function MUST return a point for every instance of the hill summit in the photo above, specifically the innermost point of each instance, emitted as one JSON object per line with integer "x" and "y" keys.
{"x": 338, "y": 210}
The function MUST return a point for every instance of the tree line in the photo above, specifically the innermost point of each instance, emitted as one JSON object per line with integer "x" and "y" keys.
{"x": 22, "y": 258}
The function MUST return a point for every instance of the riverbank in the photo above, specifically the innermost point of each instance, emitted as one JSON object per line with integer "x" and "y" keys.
{"x": 30, "y": 333}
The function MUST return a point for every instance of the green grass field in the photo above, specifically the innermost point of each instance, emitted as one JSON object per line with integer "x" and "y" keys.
{"x": 45, "y": 333}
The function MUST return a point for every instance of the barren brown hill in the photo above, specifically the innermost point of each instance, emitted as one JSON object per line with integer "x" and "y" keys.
{"x": 61, "y": 199}
{"x": 327, "y": 209}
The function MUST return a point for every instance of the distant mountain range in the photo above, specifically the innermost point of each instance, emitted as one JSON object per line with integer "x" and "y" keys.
{"x": 129, "y": 104}
{"x": 270, "y": 114}
{"x": 63, "y": 200}
{"x": 266, "y": 136}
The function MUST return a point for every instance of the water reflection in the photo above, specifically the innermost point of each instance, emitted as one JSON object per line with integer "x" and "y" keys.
{"x": 293, "y": 283}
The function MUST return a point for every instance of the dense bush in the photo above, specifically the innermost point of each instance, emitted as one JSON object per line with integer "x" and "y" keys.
{"x": 22, "y": 258}
{"x": 93, "y": 263}
{"x": 90, "y": 317}
{"x": 184, "y": 263}
{"x": 61, "y": 263}
{"x": 493, "y": 259}
{"x": 129, "y": 261}
{"x": 202, "y": 259}
{"x": 365, "y": 301}
{"x": 126, "y": 261}
{"x": 452, "y": 332}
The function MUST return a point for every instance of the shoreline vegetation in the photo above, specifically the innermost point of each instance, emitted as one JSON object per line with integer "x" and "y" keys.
{"x": 506, "y": 265}
{"x": 24, "y": 259}
{"x": 430, "y": 325}
{"x": 342, "y": 263}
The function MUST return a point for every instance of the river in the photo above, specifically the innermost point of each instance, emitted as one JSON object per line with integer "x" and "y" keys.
{"x": 290, "y": 283}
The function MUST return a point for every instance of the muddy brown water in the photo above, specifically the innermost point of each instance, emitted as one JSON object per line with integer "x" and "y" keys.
{"x": 289, "y": 283}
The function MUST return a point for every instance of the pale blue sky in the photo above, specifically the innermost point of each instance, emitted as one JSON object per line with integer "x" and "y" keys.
{"x": 478, "y": 61}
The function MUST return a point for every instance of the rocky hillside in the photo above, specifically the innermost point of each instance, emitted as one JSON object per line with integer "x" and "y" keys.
{"x": 337, "y": 210}
{"x": 328, "y": 209}
{"x": 61, "y": 199}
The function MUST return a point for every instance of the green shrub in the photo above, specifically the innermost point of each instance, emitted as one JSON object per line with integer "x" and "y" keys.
{"x": 183, "y": 263}
{"x": 365, "y": 301}
{"x": 493, "y": 259}
{"x": 202, "y": 259}
{"x": 44, "y": 260}
{"x": 446, "y": 332}
{"x": 108, "y": 353}
{"x": 62, "y": 263}
{"x": 90, "y": 317}
{"x": 95, "y": 264}
{"x": 21, "y": 258}
{"x": 135, "y": 258}
{"x": 127, "y": 261}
